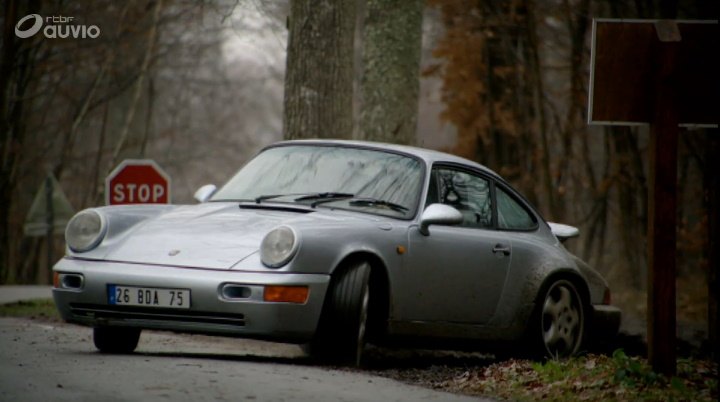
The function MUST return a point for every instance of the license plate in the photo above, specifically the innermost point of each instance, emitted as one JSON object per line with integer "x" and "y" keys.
{"x": 148, "y": 297}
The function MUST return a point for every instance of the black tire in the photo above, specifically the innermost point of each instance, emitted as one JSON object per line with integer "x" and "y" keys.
{"x": 559, "y": 325}
{"x": 341, "y": 334}
{"x": 116, "y": 339}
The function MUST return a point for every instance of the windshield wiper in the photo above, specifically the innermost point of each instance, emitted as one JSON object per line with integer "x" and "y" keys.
{"x": 374, "y": 202}
{"x": 270, "y": 196}
{"x": 319, "y": 198}
{"x": 326, "y": 196}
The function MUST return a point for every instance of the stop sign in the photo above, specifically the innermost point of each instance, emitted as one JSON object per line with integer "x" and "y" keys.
{"x": 137, "y": 182}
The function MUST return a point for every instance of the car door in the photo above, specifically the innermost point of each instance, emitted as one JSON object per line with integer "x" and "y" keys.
{"x": 456, "y": 273}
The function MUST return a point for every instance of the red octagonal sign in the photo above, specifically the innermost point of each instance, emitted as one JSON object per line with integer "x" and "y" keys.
{"x": 137, "y": 182}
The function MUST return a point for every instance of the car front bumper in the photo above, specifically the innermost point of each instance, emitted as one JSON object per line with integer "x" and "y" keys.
{"x": 211, "y": 311}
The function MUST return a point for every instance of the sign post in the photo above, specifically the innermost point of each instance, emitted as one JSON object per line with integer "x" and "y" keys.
{"x": 662, "y": 219}
{"x": 137, "y": 182}
{"x": 663, "y": 73}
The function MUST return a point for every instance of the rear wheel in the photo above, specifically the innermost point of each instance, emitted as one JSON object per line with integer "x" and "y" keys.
{"x": 559, "y": 324}
{"x": 116, "y": 339}
{"x": 342, "y": 330}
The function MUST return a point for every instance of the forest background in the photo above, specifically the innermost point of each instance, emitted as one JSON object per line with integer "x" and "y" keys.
{"x": 201, "y": 86}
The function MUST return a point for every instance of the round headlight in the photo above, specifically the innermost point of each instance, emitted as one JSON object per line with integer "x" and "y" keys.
{"x": 278, "y": 247}
{"x": 85, "y": 230}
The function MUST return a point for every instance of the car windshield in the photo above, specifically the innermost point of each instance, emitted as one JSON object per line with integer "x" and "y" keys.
{"x": 330, "y": 176}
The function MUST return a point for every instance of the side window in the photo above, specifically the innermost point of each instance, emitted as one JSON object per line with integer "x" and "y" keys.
{"x": 511, "y": 214}
{"x": 468, "y": 193}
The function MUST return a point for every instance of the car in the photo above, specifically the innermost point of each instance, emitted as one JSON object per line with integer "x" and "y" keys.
{"x": 333, "y": 244}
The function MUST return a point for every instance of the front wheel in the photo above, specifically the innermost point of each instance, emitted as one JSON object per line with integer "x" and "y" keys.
{"x": 341, "y": 333}
{"x": 116, "y": 339}
{"x": 560, "y": 320}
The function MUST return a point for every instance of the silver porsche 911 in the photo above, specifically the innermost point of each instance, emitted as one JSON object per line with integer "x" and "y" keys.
{"x": 333, "y": 244}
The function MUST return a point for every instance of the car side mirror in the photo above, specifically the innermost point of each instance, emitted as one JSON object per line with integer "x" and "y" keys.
{"x": 563, "y": 232}
{"x": 205, "y": 192}
{"x": 439, "y": 214}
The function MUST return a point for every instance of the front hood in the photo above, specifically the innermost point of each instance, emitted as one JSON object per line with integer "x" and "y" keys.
{"x": 213, "y": 236}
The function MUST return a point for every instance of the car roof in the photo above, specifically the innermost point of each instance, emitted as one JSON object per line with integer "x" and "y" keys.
{"x": 428, "y": 155}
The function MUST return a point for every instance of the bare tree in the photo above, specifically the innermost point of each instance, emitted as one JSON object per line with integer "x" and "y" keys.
{"x": 156, "y": 83}
{"x": 138, "y": 86}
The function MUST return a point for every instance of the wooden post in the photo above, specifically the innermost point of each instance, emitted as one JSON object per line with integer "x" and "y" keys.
{"x": 662, "y": 205}
{"x": 712, "y": 167}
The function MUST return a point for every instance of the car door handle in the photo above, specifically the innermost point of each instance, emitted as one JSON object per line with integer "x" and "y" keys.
{"x": 501, "y": 248}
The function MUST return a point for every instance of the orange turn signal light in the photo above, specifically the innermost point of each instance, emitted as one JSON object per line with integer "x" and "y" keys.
{"x": 56, "y": 280}
{"x": 286, "y": 294}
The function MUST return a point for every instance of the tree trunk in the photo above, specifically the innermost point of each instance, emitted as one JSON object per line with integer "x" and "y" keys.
{"x": 319, "y": 72}
{"x": 538, "y": 104}
{"x": 7, "y": 143}
{"x": 629, "y": 187}
{"x": 391, "y": 68}
{"x": 16, "y": 65}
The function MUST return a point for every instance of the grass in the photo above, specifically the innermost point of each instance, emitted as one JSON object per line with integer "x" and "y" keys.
{"x": 590, "y": 378}
{"x": 34, "y": 309}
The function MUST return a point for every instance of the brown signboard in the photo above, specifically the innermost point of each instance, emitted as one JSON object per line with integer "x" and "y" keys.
{"x": 663, "y": 73}
{"x": 625, "y": 60}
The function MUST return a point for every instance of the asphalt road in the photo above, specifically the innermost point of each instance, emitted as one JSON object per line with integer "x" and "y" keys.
{"x": 52, "y": 361}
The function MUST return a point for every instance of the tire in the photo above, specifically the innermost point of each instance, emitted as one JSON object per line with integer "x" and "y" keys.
{"x": 116, "y": 340}
{"x": 560, "y": 321}
{"x": 342, "y": 329}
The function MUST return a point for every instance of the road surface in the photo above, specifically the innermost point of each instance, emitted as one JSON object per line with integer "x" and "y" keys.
{"x": 50, "y": 361}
